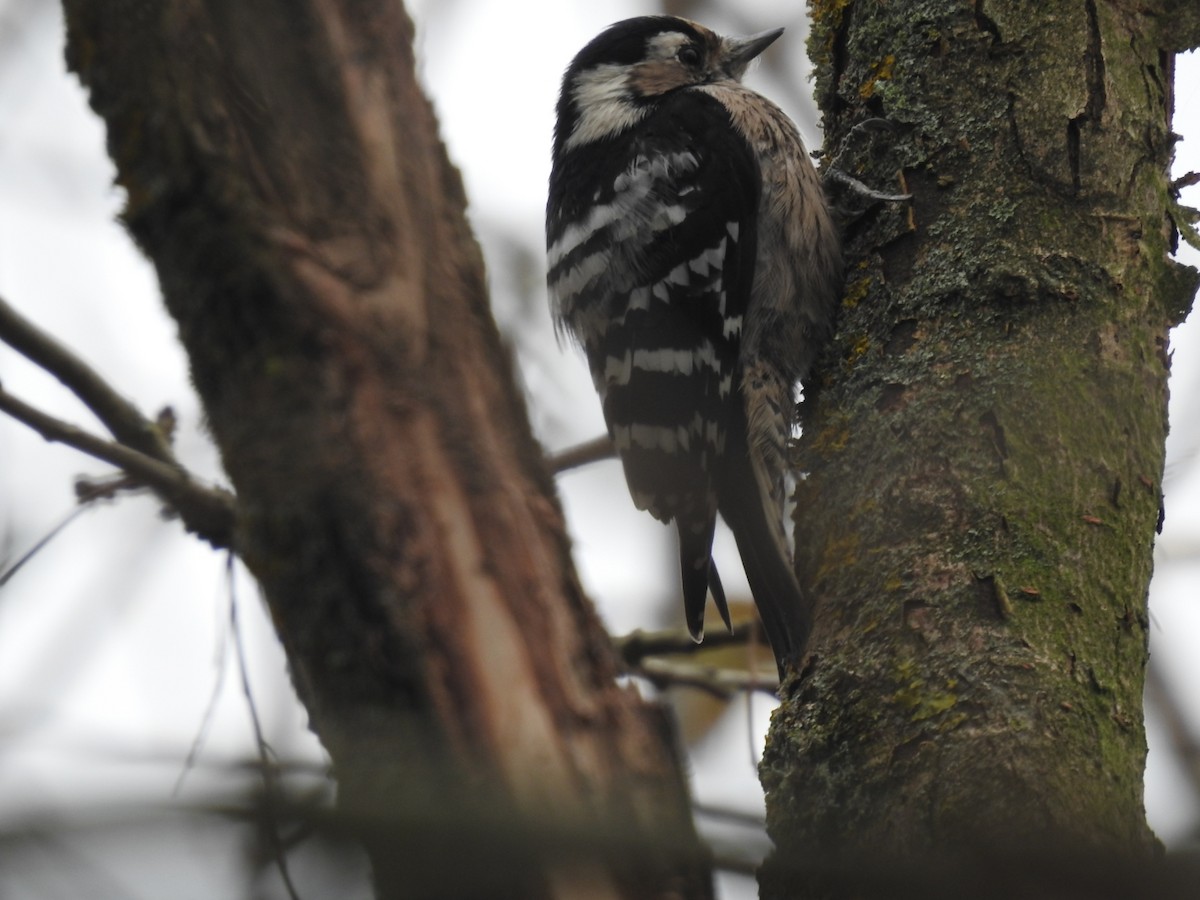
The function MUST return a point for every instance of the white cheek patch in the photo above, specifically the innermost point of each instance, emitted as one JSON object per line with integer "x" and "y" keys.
{"x": 602, "y": 97}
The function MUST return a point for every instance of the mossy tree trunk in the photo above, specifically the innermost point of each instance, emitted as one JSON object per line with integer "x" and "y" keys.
{"x": 285, "y": 176}
{"x": 985, "y": 448}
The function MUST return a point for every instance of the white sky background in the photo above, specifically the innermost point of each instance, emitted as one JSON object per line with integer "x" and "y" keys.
{"x": 112, "y": 639}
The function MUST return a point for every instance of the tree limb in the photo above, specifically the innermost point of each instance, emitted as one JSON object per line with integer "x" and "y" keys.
{"x": 634, "y": 647}
{"x": 284, "y": 173}
{"x": 123, "y": 420}
{"x": 722, "y": 683}
{"x": 207, "y": 512}
{"x": 581, "y": 454}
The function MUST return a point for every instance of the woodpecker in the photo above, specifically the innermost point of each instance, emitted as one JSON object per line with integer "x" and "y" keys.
{"x": 691, "y": 253}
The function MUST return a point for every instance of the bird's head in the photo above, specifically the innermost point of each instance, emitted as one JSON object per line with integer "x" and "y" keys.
{"x": 616, "y": 79}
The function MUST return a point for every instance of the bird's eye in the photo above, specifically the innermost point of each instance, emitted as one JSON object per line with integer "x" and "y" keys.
{"x": 689, "y": 55}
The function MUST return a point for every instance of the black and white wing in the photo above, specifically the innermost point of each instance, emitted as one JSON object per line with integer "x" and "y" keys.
{"x": 651, "y": 266}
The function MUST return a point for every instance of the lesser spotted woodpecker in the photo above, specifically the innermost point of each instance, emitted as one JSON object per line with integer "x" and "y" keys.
{"x": 692, "y": 254}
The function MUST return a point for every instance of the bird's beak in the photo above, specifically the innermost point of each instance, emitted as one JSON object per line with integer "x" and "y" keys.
{"x": 739, "y": 52}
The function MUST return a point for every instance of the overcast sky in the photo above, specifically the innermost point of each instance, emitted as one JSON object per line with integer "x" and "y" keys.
{"x": 113, "y": 641}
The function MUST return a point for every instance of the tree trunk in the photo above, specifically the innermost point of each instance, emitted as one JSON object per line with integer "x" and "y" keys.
{"x": 985, "y": 447}
{"x": 285, "y": 176}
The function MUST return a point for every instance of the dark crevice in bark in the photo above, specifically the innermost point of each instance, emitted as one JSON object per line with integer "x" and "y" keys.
{"x": 986, "y": 24}
{"x": 1094, "y": 61}
{"x": 1073, "y": 153}
{"x": 1093, "y": 110}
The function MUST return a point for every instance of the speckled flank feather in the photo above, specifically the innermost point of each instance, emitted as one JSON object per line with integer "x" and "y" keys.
{"x": 790, "y": 307}
{"x": 798, "y": 265}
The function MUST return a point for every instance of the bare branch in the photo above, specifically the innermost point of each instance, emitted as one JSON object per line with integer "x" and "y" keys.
{"x": 269, "y": 826}
{"x": 142, "y": 448}
{"x": 208, "y": 512}
{"x": 634, "y": 647}
{"x": 721, "y": 683}
{"x": 123, "y": 420}
{"x": 7, "y": 574}
{"x": 582, "y": 454}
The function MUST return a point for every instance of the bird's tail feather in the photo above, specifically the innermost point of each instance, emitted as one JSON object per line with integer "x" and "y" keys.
{"x": 699, "y": 573}
{"x": 745, "y": 502}
{"x": 718, "y": 594}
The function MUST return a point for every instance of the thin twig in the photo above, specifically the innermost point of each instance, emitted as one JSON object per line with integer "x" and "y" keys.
{"x": 88, "y": 492}
{"x": 7, "y": 575}
{"x": 637, "y": 645}
{"x": 89, "y": 489}
{"x": 123, "y": 420}
{"x": 721, "y": 683}
{"x": 206, "y": 511}
{"x": 269, "y": 775}
{"x": 1185, "y": 181}
{"x": 210, "y": 710}
{"x": 582, "y": 454}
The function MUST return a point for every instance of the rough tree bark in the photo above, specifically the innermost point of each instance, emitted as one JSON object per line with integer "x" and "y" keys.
{"x": 986, "y": 445}
{"x": 285, "y": 176}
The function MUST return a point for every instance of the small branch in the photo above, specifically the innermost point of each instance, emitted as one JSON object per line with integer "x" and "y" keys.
{"x": 1184, "y": 181}
{"x": 582, "y": 454}
{"x": 9, "y": 573}
{"x": 87, "y": 492}
{"x": 207, "y": 512}
{"x": 269, "y": 826}
{"x": 1184, "y": 218}
{"x": 90, "y": 490}
{"x": 193, "y": 757}
{"x": 123, "y": 420}
{"x": 722, "y": 683}
{"x": 634, "y": 647}
{"x": 142, "y": 449}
